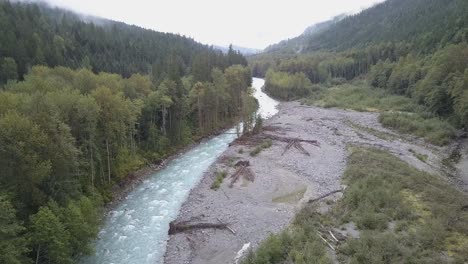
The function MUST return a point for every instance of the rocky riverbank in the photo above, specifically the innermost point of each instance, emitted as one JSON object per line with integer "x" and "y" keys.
{"x": 284, "y": 179}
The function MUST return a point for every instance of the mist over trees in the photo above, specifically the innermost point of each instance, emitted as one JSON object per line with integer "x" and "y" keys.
{"x": 416, "y": 49}
{"x": 35, "y": 34}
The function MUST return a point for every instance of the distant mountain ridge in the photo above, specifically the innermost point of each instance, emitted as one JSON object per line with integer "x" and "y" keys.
{"x": 37, "y": 33}
{"x": 297, "y": 44}
{"x": 243, "y": 50}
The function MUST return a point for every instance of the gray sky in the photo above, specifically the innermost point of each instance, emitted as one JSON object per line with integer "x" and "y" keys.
{"x": 248, "y": 23}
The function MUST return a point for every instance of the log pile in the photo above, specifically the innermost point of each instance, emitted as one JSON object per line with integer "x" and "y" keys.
{"x": 255, "y": 140}
{"x": 242, "y": 170}
{"x": 294, "y": 142}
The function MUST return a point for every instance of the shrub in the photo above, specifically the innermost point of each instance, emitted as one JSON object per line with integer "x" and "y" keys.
{"x": 433, "y": 129}
{"x": 219, "y": 180}
{"x": 266, "y": 144}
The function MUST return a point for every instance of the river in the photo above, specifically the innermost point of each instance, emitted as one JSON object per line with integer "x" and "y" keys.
{"x": 136, "y": 230}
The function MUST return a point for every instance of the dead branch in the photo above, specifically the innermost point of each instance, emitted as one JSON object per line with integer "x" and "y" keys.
{"x": 289, "y": 139}
{"x": 324, "y": 240}
{"x": 249, "y": 175}
{"x": 175, "y": 228}
{"x": 333, "y": 236}
{"x": 299, "y": 147}
{"x": 288, "y": 146}
{"x": 254, "y": 140}
{"x": 242, "y": 170}
{"x": 225, "y": 194}
{"x": 325, "y": 195}
{"x": 236, "y": 175}
{"x": 230, "y": 229}
{"x": 242, "y": 163}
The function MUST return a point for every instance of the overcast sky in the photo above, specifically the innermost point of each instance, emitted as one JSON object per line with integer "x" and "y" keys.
{"x": 248, "y": 23}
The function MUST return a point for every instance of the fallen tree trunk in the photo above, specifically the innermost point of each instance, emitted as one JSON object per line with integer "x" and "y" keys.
{"x": 290, "y": 139}
{"x": 325, "y": 195}
{"x": 175, "y": 228}
{"x": 254, "y": 140}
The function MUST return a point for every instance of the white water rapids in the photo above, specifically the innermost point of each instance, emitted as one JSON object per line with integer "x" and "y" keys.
{"x": 135, "y": 232}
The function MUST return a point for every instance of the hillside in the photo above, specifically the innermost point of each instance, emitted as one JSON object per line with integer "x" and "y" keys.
{"x": 412, "y": 49}
{"x": 34, "y": 34}
{"x": 297, "y": 44}
{"x": 426, "y": 24}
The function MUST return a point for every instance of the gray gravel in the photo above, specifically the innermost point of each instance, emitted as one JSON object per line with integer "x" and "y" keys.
{"x": 249, "y": 207}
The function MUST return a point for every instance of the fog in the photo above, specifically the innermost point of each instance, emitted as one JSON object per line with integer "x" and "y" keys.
{"x": 253, "y": 24}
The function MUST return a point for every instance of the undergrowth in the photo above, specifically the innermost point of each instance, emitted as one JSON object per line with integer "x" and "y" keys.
{"x": 220, "y": 175}
{"x": 397, "y": 112}
{"x": 265, "y": 144}
{"x": 432, "y": 129}
{"x": 360, "y": 97}
{"x": 403, "y": 215}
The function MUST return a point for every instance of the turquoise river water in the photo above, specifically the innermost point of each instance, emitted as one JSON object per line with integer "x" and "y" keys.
{"x": 135, "y": 232}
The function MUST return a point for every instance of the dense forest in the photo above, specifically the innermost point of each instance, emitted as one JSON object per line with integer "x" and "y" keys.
{"x": 35, "y": 34}
{"x": 85, "y": 103}
{"x": 416, "y": 49}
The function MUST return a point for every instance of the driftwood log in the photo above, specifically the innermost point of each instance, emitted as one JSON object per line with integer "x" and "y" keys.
{"x": 256, "y": 139}
{"x": 325, "y": 195}
{"x": 175, "y": 228}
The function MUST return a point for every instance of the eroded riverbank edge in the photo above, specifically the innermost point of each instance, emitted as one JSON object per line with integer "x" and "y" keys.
{"x": 283, "y": 183}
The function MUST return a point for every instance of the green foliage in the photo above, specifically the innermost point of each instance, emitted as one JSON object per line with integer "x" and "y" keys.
{"x": 360, "y": 97}
{"x": 8, "y": 70}
{"x": 127, "y": 162}
{"x": 219, "y": 180}
{"x": 286, "y": 86}
{"x": 425, "y": 60}
{"x": 265, "y": 144}
{"x": 81, "y": 220}
{"x": 300, "y": 243}
{"x": 434, "y": 130}
{"x": 403, "y": 215}
{"x": 421, "y": 157}
{"x": 13, "y": 245}
{"x": 425, "y": 24}
{"x": 258, "y": 125}
{"x": 39, "y": 34}
{"x": 24, "y": 167}
{"x": 382, "y": 189}
{"x": 68, "y": 136}
{"x": 373, "y": 247}
{"x": 50, "y": 239}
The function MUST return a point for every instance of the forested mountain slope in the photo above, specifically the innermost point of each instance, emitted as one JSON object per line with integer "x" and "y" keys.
{"x": 32, "y": 34}
{"x": 426, "y": 24}
{"x": 412, "y": 49}
{"x": 297, "y": 44}
{"x": 83, "y": 104}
